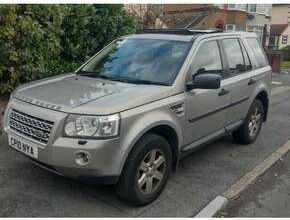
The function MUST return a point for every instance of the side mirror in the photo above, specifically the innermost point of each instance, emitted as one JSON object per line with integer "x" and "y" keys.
{"x": 206, "y": 81}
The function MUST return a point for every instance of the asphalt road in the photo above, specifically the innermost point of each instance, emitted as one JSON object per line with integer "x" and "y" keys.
{"x": 269, "y": 196}
{"x": 29, "y": 191}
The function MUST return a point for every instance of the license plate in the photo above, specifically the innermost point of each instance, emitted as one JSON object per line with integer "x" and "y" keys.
{"x": 23, "y": 147}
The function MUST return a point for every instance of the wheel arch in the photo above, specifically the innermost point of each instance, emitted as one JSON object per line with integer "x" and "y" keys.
{"x": 263, "y": 97}
{"x": 168, "y": 133}
{"x": 165, "y": 130}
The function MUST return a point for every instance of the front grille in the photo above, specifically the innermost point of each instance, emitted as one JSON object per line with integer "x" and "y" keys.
{"x": 29, "y": 126}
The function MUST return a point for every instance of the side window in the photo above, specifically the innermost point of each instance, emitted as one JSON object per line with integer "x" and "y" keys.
{"x": 246, "y": 58}
{"x": 234, "y": 56}
{"x": 258, "y": 51}
{"x": 207, "y": 59}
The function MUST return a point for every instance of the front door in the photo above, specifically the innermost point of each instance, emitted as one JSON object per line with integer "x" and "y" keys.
{"x": 206, "y": 108}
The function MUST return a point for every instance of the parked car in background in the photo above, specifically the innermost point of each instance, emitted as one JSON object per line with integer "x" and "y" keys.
{"x": 129, "y": 114}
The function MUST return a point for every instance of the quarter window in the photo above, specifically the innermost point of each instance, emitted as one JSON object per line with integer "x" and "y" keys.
{"x": 258, "y": 52}
{"x": 234, "y": 56}
{"x": 207, "y": 59}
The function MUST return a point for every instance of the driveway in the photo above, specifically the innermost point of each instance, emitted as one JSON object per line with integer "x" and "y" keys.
{"x": 29, "y": 191}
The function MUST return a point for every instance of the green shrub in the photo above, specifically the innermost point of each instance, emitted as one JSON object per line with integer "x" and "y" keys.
{"x": 38, "y": 41}
{"x": 286, "y": 53}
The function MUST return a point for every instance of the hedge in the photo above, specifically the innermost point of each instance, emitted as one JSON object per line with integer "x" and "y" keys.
{"x": 286, "y": 53}
{"x": 38, "y": 41}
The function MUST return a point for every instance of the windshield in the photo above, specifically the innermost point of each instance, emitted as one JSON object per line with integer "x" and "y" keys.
{"x": 151, "y": 61}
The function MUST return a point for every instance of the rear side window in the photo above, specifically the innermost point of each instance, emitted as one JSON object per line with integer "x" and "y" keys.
{"x": 234, "y": 56}
{"x": 207, "y": 59}
{"x": 258, "y": 52}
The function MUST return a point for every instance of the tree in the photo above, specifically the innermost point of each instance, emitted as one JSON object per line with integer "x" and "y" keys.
{"x": 37, "y": 41}
{"x": 147, "y": 15}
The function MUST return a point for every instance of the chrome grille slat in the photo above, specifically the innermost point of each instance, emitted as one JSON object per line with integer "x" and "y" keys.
{"x": 30, "y": 126}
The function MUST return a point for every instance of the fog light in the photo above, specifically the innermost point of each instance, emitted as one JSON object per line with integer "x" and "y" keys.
{"x": 82, "y": 158}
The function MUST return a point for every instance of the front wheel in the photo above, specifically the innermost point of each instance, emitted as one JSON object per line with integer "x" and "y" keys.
{"x": 250, "y": 129}
{"x": 146, "y": 171}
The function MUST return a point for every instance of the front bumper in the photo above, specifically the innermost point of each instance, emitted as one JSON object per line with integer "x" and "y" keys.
{"x": 58, "y": 155}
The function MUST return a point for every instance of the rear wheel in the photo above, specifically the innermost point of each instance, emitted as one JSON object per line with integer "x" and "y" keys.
{"x": 146, "y": 171}
{"x": 250, "y": 129}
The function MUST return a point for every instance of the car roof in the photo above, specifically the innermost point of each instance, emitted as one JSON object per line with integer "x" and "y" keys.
{"x": 184, "y": 34}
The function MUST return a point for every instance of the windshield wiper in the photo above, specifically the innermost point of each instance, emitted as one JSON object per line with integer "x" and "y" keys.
{"x": 138, "y": 81}
{"x": 93, "y": 74}
{"x": 87, "y": 73}
{"x": 121, "y": 79}
{"x": 148, "y": 82}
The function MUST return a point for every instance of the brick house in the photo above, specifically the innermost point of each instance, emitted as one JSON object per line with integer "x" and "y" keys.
{"x": 201, "y": 16}
{"x": 229, "y": 17}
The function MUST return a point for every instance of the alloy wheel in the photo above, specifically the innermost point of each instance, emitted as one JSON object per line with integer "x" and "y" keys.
{"x": 151, "y": 171}
{"x": 254, "y": 122}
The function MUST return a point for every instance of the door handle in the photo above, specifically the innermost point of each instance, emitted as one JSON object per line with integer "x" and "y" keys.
{"x": 251, "y": 82}
{"x": 223, "y": 92}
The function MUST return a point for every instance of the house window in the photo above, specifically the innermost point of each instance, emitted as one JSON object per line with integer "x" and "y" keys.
{"x": 219, "y": 5}
{"x": 230, "y": 27}
{"x": 258, "y": 30}
{"x": 231, "y": 6}
{"x": 252, "y": 7}
{"x": 242, "y": 7}
{"x": 240, "y": 28}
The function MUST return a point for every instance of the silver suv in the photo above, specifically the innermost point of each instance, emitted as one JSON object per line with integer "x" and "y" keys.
{"x": 129, "y": 114}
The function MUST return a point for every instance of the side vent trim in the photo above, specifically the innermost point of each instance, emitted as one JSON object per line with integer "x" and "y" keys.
{"x": 178, "y": 109}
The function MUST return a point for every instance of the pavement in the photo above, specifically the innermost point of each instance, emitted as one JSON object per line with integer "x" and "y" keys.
{"x": 268, "y": 197}
{"x": 29, "y": 191}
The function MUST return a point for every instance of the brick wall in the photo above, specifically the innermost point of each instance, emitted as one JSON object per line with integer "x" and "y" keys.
{"x": 173, "y": 14}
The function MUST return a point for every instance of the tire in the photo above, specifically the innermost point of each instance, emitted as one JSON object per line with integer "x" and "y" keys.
{"x": 128, "y": 188}
{"x": 244, "y": 134}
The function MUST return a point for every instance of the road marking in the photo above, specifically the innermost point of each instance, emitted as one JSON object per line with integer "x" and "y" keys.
{"x": 242, "y": 184}
{"x": 237, "y": 188}
{"x": 213, "y": 207}
{"x": 276, "y": 83}
{"x": 279, "y": 89}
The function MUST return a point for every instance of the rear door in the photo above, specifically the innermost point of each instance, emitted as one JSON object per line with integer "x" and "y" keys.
{"x": 240, "y": 79}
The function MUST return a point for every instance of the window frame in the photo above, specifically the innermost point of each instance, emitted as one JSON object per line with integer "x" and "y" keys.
{"x": 227, "y": 73}
{"x": 222, "y": 58}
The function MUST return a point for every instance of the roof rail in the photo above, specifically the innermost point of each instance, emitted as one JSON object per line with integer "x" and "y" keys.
{"x": 179, "y": 31}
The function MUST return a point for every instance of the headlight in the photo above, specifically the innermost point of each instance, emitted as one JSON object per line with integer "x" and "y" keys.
{"x": 92, "y": 126}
